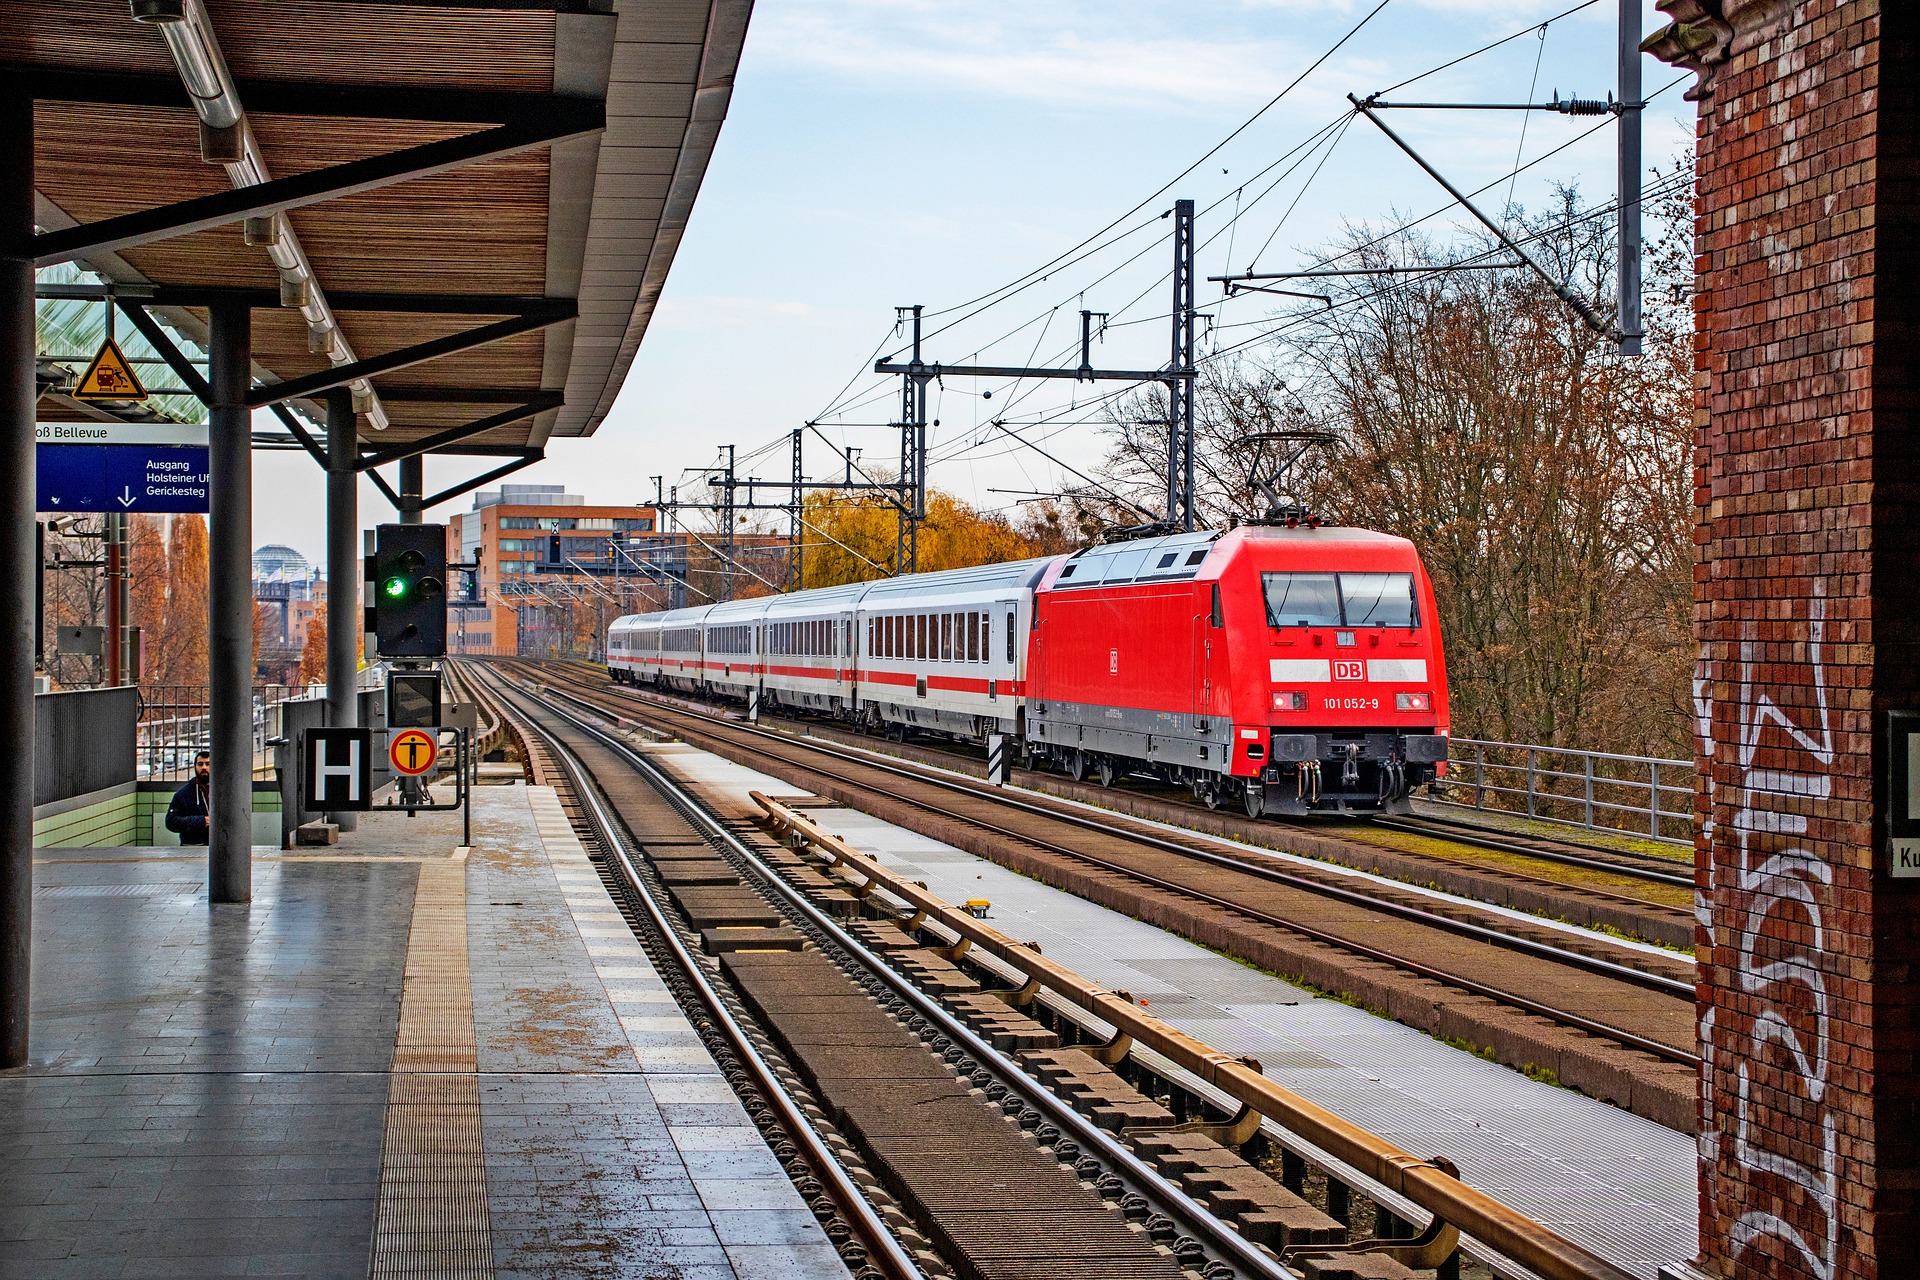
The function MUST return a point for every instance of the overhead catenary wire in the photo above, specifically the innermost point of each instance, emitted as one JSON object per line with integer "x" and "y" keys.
{"x": 1105, "y": 239}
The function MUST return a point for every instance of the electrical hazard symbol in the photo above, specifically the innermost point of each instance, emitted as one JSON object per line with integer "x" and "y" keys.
{"x": 109, "y": 377}
{"x": 413, "y": 752}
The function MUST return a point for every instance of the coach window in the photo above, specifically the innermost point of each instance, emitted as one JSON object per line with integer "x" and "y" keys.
{"x": 973, "y": 637}
{"x": 1301, "y": 599}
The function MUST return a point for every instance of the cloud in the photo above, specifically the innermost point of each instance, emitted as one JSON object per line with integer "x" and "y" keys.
{"x": 1110, "y": 56}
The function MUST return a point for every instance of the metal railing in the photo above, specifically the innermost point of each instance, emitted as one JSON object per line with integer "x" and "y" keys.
{"x": 1598, "y": 790}
{"x": 174, "y": 724}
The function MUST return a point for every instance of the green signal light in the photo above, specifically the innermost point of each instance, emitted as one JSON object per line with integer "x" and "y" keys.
{"x": 395, "y": 588}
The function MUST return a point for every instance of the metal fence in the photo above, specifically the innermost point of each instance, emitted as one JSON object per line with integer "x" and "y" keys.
{"x": 1633, "y": 795}
{"x": 174, "y": 725}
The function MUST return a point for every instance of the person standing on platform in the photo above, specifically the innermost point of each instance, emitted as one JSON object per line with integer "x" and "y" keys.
{"x": 187, "y": 814}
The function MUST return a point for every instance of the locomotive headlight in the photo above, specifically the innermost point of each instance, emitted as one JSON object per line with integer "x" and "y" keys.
{"x": 1284, "y": 701}
{"x": 1413, "y": 702}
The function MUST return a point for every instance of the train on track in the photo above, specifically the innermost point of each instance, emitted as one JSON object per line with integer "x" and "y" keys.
{"x": 1290, "y": 670}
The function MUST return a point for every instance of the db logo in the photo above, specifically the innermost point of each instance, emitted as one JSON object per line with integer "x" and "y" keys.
{"x": 1349, "y": 669}
{"x": 1113, "y": 662}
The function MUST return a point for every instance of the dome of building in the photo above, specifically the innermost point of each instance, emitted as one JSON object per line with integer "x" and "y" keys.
{"x": 276, "y": 562}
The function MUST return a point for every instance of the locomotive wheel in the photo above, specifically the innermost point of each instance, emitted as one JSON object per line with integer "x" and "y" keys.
{"x": 1255, "y": 799}
{"x": 1209, "y": 795}
{"x": 1077, "y": 765}
{"x": 1107, "y": 771}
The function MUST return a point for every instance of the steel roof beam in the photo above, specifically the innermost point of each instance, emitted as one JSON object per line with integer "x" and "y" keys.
{"x": 427, "y": 444}
{"x": 419, "y": 353}
{"x": 522, "y": 458}
{"x": 281, "y": 97}
{"x": 527, "y": 459}
{"x": 188, "y": 295}
{"x": 463, "y": 395}
{"x": 162, "y": 342}
{"x": 554, "y": 120}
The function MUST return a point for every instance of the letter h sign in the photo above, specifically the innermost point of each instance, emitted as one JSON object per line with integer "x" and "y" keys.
{"x": 339, "y": 770}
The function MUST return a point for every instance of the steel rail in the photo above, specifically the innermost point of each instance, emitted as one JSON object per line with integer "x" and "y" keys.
{"x": 1460, "y": 833}
{"x": 1422, "y": 1181}
{"x": 882, "y": 1248}
{"x": 1572, "y": 959}
{"x": 1644, "y": 1044}
{"x": 1224, "y": 1240}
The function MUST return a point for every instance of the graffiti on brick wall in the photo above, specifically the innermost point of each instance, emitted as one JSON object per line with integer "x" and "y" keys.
{"x": 1773, "y": 909}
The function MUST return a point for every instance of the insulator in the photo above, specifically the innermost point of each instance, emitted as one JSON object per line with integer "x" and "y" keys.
{"x": 1584, "y": 106}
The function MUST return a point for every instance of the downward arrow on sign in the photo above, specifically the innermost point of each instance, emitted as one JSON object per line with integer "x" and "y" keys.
{"x": 126, "y": 496}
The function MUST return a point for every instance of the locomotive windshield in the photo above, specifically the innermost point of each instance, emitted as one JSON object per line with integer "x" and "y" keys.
{"x": 1344, "y": 599}
{"x": 1302, "y": 599}
{"x": 1377, "y": 599}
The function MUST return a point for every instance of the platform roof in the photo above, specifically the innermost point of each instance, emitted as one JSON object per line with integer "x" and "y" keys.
{"x": 573, "y": 136}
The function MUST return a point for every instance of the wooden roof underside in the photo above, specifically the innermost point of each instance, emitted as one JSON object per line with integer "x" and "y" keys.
{"x": 593, "y": 219}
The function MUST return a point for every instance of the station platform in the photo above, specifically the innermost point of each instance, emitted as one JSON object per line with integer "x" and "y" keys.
{"x": 1612, "y": 1181}
{"x": 403, "y": 1058}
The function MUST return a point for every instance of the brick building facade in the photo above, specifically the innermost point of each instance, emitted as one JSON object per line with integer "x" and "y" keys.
{"x": 1807, "y": 598}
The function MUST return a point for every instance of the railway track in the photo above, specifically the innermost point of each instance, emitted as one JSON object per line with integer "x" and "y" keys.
{"x": 923, "y": 1191}
{"x": 1302, "y": 920}
{"x": 1606, "y": 899}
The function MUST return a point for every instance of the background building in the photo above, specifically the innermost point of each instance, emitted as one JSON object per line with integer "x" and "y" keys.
{"x": 553, "y": 571}
{"x": 289, "y": 592}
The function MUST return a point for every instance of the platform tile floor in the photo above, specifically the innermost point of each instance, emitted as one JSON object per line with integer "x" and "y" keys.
{"x": 400, "y": 1055}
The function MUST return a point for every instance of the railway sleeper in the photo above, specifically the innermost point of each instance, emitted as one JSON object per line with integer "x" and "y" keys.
{"x": 1125, "y": 1099}
{"x": 1259, "y": 1207}
{"x": 993, "y": 1201}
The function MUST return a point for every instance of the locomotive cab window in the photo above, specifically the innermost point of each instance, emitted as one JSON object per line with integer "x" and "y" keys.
{"x": 1377, "y": 599}
{"x": 1336, "y": 600}
{"x": 1302, "y": 599}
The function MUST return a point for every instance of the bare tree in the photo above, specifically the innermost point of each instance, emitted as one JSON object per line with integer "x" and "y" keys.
{"x": 1545, "y": 479}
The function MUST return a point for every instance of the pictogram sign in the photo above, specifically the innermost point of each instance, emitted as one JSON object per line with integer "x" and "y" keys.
{"x": 339, "y": 769}
{"x": 109, "y": 377}
{"x": 413, "y": 752}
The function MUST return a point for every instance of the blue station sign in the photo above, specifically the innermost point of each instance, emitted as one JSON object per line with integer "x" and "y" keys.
{"x": 121, "y": 477}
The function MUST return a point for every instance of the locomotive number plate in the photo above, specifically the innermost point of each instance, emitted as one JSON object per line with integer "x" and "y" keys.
{"x": 1353, "y": 704}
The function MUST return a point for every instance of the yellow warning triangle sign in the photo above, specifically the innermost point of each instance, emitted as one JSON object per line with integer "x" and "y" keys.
{"x": 109, "y": 377}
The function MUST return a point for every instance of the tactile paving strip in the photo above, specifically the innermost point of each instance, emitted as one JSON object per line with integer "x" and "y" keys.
{"x": 433, "y": 1170}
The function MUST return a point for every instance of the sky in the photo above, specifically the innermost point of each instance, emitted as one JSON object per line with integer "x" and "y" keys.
{"x": 880, "y": 153}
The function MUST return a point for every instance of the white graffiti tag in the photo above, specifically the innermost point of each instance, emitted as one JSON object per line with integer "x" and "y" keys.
{"x": 1774, "y": 915}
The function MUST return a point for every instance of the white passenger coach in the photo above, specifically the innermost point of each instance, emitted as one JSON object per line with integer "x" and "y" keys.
{"x": 944, "y": 651}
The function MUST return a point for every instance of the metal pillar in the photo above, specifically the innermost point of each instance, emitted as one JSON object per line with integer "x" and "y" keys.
{"x": 1180, "y": 390}
{"x": 343, "y": 572}
{"x": 413, "y": 484}
{"x": 230, "y": 602}
{"x": 796, "y": 540}
{"x": 116, "y": 655}
{"x": 913, "y": 457}
{"x": 18, "y": 539}
{"x": 1631, "y": 115}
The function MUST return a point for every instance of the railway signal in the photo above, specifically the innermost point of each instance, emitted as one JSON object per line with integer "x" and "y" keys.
{"x": 408, "y": 580}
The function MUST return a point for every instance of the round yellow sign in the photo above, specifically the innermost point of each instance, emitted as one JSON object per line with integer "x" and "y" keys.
{"x": 413, "y": 752}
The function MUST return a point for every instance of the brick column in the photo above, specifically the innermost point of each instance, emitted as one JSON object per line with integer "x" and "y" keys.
{"x": 1807, "y": 596}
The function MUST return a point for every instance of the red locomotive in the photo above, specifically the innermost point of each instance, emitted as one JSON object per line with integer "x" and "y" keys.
{"x": 1289, "y": 669}
{"x": 1293, "y": 670}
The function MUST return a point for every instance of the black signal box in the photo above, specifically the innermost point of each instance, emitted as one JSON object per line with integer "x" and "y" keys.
{"x": 408, "y": 581}
{"x": 413, "y": 700}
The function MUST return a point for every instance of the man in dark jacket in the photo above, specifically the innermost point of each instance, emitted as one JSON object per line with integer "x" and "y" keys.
{"x": 187, "y": 815}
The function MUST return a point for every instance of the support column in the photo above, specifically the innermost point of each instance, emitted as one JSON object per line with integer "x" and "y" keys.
{"x": 230, "y": 603}
{"x": 413, "y": 484}
{"x": 343, "y": 572}
{"x": 1807, "y": 319}
{"x": 115, "y": 545}
{"x": 17, "y": 577}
